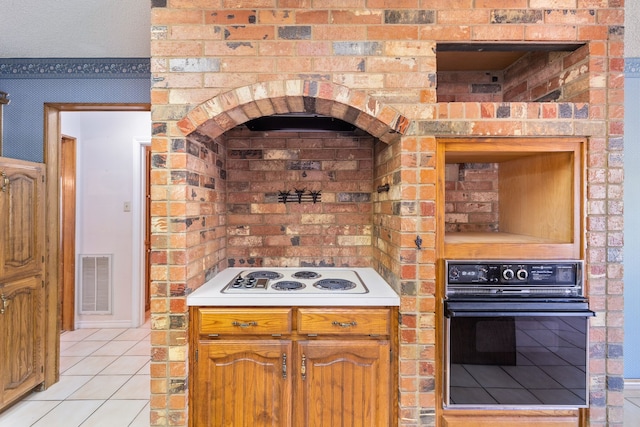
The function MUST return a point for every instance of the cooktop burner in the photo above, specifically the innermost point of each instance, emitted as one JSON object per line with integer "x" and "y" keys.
{"x": 334, "y": 284}
{"x": 295, "y": 281}
{"x": 264, "y": 274}
{"x": 306, "y": 275}
{"x": 287, "y": 285}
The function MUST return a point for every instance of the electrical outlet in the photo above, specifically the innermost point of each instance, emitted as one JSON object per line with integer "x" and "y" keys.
{"x": 127, "y": 206}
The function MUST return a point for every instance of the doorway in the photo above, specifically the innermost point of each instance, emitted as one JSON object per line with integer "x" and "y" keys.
{"x": 56, "y": 157}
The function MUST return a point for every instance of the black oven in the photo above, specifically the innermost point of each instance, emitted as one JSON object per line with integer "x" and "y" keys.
{"x": 516, "y": 335}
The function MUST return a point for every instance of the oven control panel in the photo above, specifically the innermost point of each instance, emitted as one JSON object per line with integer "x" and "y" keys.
{"x": 465, "y": 275}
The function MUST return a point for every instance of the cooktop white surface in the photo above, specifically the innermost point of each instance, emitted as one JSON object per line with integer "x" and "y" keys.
{"x": 233, "y": 287}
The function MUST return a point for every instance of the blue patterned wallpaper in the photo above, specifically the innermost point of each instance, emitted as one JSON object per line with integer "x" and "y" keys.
{"x": 632, "y": 67}
{"x": 31, "y": 83}
{"x": 78, "y": 68}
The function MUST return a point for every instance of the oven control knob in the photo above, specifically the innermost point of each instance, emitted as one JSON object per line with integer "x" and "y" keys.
{"x": 508, "y": 274}
{"x": 522, "y": 274}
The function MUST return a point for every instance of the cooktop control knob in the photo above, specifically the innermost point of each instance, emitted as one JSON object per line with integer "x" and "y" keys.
{"x": 508, "y": 274}
{"x": 522, "y": 274}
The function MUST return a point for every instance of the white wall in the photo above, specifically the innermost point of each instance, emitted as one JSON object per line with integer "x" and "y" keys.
{"x": 107, "y": 171}
{"x": 632, "y": 29}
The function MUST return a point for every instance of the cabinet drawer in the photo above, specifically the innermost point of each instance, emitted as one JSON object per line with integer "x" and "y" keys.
{"x": 344, "y": 321}
{"x": 245, "y": 321}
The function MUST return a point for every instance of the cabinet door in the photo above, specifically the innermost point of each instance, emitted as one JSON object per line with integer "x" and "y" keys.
{"x": 21, "y": 337}
{"x": 21, "y": 218}
{"x": 244, "y": 383}
{"x": 343, "y": 383}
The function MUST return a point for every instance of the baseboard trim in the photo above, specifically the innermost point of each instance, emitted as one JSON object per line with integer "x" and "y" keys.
{"x": 632, "y": 384}
{"x": 112, "y": 324}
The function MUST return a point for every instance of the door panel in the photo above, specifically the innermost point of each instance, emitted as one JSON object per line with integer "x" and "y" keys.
{"x": 243, "y": 384}
{"x": 22, "y": 210}
{"x": 22, "y": 337}
{"x": 344, "y": 384}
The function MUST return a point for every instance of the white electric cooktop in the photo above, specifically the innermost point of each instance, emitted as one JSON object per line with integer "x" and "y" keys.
{"x": 295, "y": 286}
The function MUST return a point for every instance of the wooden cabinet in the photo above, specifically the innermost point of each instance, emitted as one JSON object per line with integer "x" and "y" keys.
{"x": 292, "y": 367}
{"x": 22, "y": 219}
{"x": 537, "y": 196}
{"x": 520, "y": 418}
{"x": 242, "y": 383}
{"x": 343, "y": 383}
{"x": 21, "y": 278}
{"x": 21, "y": 338}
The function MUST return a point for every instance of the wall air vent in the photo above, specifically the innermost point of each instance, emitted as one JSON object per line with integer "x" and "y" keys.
{"x": 95, "y": 284}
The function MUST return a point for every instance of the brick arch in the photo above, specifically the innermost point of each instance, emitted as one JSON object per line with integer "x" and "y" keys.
{"x": 230, "y": 109}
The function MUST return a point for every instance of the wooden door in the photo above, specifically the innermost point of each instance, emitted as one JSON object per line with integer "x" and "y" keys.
{"x": 67, "y": 268}
{"x": 147, "y": 229}
{"x": 244, "y": 383}
{"x": 21, "y": 278}
{"x": 343, "y": 384}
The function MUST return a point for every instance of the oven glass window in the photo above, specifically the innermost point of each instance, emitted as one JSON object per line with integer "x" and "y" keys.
{"x": 517, "y": 361}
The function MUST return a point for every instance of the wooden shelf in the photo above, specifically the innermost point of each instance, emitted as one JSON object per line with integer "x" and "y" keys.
{"x": 494, "y": 238}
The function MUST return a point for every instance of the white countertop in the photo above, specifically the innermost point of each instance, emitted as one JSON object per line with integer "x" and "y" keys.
{"x": 379, "y": 294}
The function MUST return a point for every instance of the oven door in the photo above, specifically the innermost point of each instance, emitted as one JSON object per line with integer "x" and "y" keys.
{"x": 516, "y": 354}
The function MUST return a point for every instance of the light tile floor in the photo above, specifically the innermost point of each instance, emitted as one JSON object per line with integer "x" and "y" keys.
{"x": 632, "y": 404}
{"x": 104, "y": 381}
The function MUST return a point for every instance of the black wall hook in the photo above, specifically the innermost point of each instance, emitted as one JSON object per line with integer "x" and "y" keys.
{"x": 382, "y": 188}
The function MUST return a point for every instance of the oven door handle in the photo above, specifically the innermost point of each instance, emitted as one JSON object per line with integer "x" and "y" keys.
{"x": 517, "y": 313}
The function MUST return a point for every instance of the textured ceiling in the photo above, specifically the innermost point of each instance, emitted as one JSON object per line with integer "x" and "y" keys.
{"x": 75, "y": 28}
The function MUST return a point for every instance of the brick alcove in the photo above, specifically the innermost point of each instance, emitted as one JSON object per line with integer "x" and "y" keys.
{"x": 193, "y": 231}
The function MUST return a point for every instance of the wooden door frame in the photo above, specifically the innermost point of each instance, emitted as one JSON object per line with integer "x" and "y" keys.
{"x": 52, "y": 135}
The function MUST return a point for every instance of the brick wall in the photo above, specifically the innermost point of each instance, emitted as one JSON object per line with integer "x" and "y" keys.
{"x": 218, "y": 63}
{"x": 471, "y": 197}
{"x": 334, "y": 231}
{"x": 549, "y": 76}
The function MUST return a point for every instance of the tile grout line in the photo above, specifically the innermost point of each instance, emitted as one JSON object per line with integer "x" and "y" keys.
{"x": 118, "y": 353}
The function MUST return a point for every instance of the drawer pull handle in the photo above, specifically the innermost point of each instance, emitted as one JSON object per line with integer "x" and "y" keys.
{"x": 5, "y": 181}
{"x": 284, "y": 366}
{"x": 303, "y": 367}
{"x": 345, "y": 324}
{"x": 244, "y": 325}
{"x": 5, "y": 303}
